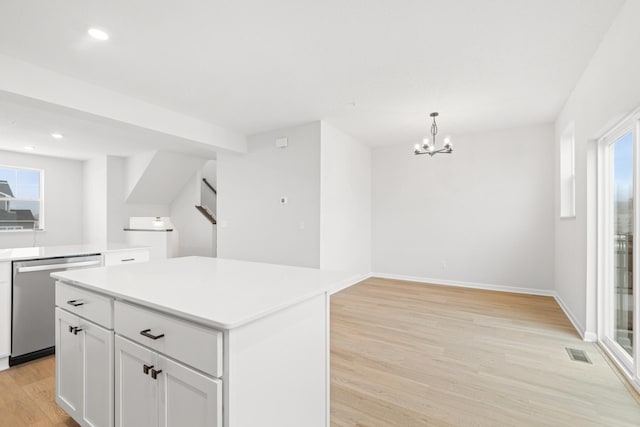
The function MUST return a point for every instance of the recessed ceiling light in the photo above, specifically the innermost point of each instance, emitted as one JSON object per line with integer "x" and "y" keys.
{"x": 57, "y": 135}
{"x": 98, "y": 34}
{"x": 29, "y": 148}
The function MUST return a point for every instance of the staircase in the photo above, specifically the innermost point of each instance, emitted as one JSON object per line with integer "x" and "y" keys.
{"x": 208, "y": 201}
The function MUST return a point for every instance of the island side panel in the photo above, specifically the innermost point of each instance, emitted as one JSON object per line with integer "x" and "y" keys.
{"x": 276, "y": 370}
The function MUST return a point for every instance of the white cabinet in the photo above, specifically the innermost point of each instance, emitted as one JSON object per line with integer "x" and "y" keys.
{"x": 153, "y": 390}
{"x": 126, "y": 257}
{"x": 84, "y": 369}
{"x": 68, "y": 360}
{"x": 136, "y": 392}
{"x": 5, "y": 310}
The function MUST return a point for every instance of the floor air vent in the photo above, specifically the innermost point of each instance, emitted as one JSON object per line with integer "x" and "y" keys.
{"x": 578, "y": 355}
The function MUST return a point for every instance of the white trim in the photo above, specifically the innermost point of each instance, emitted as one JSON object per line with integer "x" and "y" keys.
{"x": 472, "y": 285}
{"x": 635, "y": 382}
{"x": 616, "y": 131}
{"x": 630, "y": 365}
{"x": 4, "y": 363}
{"x": 589, "y": 336}
{"x": 349, "y": 282}
{"x": 40, "y": 200}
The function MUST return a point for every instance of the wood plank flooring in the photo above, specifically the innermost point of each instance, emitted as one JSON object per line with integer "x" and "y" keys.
{"x": 408, "y": 354}
{"x": 27, "y": 396}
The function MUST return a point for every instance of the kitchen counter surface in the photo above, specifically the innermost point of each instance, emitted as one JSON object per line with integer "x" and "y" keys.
{"x": 220, "y": 293}
{"x": 40, "y": 252}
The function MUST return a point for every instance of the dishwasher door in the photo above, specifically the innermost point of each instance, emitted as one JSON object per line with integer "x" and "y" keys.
{"x": 33, "y": 304}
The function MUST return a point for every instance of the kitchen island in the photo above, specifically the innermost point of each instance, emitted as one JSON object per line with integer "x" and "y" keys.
{"x": 195, "y": 341}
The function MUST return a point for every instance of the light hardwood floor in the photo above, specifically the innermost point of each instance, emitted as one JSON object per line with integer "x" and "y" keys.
{"x": 409, "y": 354}
{"x": 27, "y": 396}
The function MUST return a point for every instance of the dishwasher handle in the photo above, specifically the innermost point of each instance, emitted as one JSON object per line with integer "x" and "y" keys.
{"x": 65, "y": 266}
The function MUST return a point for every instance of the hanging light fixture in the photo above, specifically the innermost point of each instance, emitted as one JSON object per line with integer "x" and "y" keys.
{"x": 428, "y": 146}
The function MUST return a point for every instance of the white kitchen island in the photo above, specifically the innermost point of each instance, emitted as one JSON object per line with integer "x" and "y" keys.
{"x": 195, "y": 342}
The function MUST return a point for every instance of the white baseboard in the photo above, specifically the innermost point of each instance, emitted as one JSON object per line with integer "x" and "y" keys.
{"x": 4, "y": 363}
{"x": 585, "y": 335}
{"x": 472, "y": 285}
{"x": 350, "y": 282}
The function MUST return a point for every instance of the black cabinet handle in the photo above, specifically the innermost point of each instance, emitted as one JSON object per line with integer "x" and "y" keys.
{"x": 76, "y": 330}
{"x": 75, "y": 303}
{"x": 148, "y": 335}
{"x": 145, "y": 369}
{"x": 71, "y": 329}
{"x": 154, "y": 373}
{"x": 127, "y": 259}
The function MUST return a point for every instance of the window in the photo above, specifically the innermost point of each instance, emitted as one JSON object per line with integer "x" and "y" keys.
{"x": 567, "y": 174}
{"x": 20, "y": 199}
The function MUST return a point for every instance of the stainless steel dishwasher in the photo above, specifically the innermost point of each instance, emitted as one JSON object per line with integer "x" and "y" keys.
{"x": 33, "y": 304}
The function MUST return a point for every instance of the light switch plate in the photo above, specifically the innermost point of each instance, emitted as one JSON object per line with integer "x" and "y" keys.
{"x": 282, "y": 142}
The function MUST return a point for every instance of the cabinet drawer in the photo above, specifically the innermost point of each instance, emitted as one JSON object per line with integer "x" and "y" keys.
{"x": 127, "y": 257}
{"x": 187, "y": 342}
{"x": 87, "y": 304}
{"x": 5, "y": 272}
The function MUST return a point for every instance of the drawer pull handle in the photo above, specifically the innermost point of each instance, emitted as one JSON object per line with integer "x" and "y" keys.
{"x": 75, "y": 303}
{"x": 148, "y": 335}
{"x": 154, "y": 373}
{"x": 76, "y": 330}
{"x": 145, "y": 369}
{"x": 127, "y": 259}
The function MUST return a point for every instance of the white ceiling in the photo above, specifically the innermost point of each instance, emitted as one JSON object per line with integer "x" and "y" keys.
{"x": 26, "y": 122}
{"x": 255, "y": 65}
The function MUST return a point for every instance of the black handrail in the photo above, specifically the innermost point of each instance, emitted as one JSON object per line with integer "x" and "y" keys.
{"x": 209, "y": 185}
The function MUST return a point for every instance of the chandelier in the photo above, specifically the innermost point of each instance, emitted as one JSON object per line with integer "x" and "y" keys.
{"x": 428, "y": 146}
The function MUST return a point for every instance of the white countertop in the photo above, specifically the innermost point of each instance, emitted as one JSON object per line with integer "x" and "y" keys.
{"x": 16, "y": 254}
{"x": 217, "y": 292}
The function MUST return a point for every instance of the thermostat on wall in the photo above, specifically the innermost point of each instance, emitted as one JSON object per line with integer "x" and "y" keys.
{"x": 282, "y": 142}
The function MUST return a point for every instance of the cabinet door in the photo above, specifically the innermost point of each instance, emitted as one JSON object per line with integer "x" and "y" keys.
{"x": 136, "y": 401}
{"x": 188, "y": 398}
{"x": 97, "y": 354}
{"x": 68, "y": 364}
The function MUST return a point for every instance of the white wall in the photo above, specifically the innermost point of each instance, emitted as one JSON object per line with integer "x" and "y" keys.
{"x": 136, "y": 209}
{"x": 162, "y": 177}
{"x": 252, "y": 224}
{"x": 117, "y": 214}
{"x": 482, "y": 215}
{"x": 608, "y": 89}
{"x": 95, "y": 200}
{"x": 63, "y": 193}
{"x": 345, "y": 202}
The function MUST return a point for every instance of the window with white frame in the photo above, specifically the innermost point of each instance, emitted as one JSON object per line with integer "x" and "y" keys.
{"x": 568, "y": 173}
{"x": 21, "y": 199}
